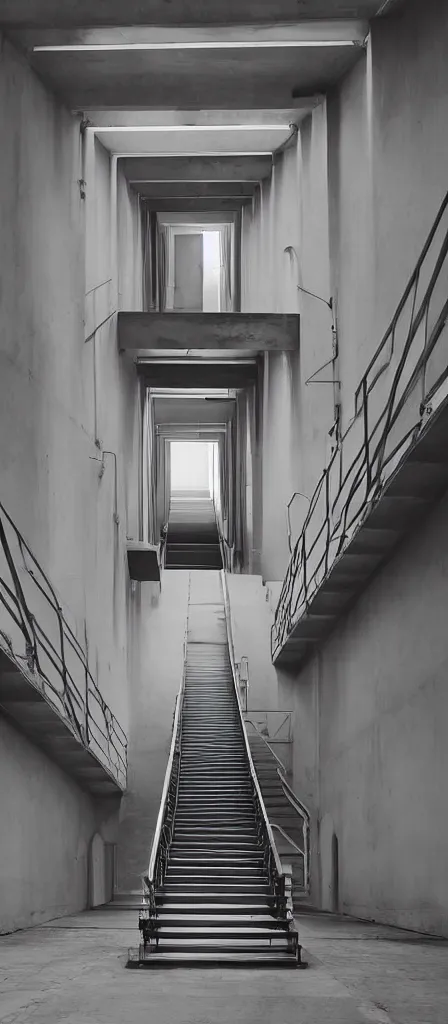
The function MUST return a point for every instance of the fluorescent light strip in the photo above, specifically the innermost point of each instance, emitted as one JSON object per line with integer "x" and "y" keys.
{"x": 256, "y": 44}
{"x": 193, "y": 128}
{"x": 199, "y": 152}
{"x": 193, "y": 181}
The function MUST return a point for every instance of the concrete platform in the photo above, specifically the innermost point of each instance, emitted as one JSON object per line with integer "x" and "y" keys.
{"x": 72, "y": 970}
{"x": 251, "y": 332}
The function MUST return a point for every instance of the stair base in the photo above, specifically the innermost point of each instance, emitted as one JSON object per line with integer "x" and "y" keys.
{"x": 137, "y": 959}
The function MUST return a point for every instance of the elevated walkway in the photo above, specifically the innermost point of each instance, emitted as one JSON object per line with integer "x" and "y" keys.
{"x": 388, "y": 469}
{"x": 47, "y": 688}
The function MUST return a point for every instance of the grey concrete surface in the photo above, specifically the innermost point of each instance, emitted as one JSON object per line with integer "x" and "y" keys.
{"x": 155, "y": 685}
{"x": 51, "y": 13}
{"x": 208, "y": 331}
{"x": 197, "y": 168}
{"x": 156, "y": 190}
{"x": 193, "y": 78}
{"x": 73, "y": 971}
{"x": 226, "y": 204}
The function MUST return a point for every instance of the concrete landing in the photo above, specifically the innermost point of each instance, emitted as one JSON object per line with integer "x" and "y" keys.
{"x": 72, "y": 970}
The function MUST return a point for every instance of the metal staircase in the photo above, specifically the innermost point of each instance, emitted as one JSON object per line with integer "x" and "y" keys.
{"x": 192, "y": 539}
{"x": 287, "y": 815}
{"x": 215, "y": 891}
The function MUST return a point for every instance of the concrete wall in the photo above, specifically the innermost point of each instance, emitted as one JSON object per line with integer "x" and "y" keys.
{"x": 387, "y": 148}
{"x": 65, "y": 395}
{"x": 369, "y": 750}
{"x": 188, "y": 272}
{"x": 46, "y": 838}
{"x": 370, "y": 745}
{"x": 47, "y": 824}
{"x": 290, "y": 213}
{"x": 251, "y": 623}
{"x": 159, "y": 653}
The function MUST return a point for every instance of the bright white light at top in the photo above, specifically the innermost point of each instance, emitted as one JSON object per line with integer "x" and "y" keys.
{"x": 193, "y": 128}
{"x": 226, "y": 44}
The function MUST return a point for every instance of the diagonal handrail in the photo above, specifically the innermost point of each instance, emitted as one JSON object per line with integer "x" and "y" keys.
{"x": 164, "y": 826}
{"x": 299, "y": 808}
{"x": 260, "y": 734}
{"x": 279, "y": 877}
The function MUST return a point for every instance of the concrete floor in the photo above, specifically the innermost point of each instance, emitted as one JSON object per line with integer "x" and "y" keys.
{"x": 72, "y": 970}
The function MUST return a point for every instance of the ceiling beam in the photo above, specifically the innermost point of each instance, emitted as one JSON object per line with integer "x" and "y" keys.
{"x": 194, "y": 189}
{"x": 80, "y": 14}
{"x": 196, "y": 168}
{"x": 206, "y": 35}
{"x": 194, "y": 79}
{"x": 214, "y": 204}
{"x": 251, "y": 332}
{"x": 202, "y": 118}
{"x": 198, "y": 375}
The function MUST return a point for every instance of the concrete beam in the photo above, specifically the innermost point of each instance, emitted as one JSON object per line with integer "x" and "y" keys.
{"x": 253, "y": 332}
{"x": 194, "y": 189}
{"x": 198, "y": 375}
{"x": 193, "y": 411}
{"x": 192, "y": 78}
{"x": 199, "y": 36}
{"x": 83, "y": 13}
{"x": 190, "y": 205}
{"x": 196, "y": 168}
{"x": 202, "y": 118}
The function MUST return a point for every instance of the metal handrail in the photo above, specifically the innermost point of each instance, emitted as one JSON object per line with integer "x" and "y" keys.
{"x": 304, "y": 813}
{"x": 278, "y": 870}
{"x": 343, "y": 496}
{"x": 279, "y": 762}
{"x": 58, "y": 663}
{"x": 163, "y": 831}
{"x": 163, "y": 801}
{"x": 294, "y": 800}
{"x": 288, "y": 838}
{"x": 298, "y": 806}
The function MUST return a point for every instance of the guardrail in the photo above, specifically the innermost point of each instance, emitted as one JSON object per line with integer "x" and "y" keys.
{"x": 36, "y": 635}
{"x": 165, "y": 821}
{"x": 411, "y": 363}
{"x": 272, "y": 862}
{"x": 275, "y": 726}
{"x": 297, "y": 805}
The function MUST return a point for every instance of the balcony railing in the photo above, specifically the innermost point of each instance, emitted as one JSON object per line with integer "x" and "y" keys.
{"x": 38, "y": 640}
{"x": 395, "y": 397}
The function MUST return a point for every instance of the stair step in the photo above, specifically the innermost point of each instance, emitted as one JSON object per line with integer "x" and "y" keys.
{"x": 221, "y": 931}
{"x": 234, "y": 922}
{"x": 179, "y": 959}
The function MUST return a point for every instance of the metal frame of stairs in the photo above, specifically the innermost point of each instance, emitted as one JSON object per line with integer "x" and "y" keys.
{"x": 215, "y": 890}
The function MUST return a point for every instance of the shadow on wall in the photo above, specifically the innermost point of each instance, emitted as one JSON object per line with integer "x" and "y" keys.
{"x": 101, "y": 871}
{"x": 329, "y": 865}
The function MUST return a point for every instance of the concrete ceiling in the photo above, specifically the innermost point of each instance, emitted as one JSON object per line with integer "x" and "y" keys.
{"x": 176, "y": 142}
{"x": 202, "y": 168}
{"x": 182, "y": 375}
{"x": 217, "y": 204}
{"x": 77, "y": 13}
{"x": 153, "y": 190}
{"x": 192, "y": 79}
{"x": 193, "y": 410}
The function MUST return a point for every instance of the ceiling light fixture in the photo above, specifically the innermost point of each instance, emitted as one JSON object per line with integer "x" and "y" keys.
{"x": 193, "y": 128}
{"x": 225, "y": 44}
